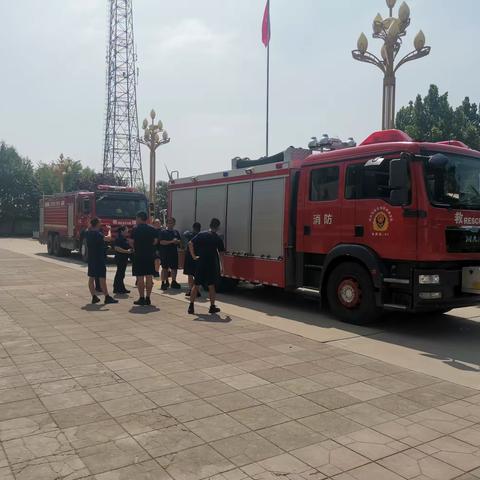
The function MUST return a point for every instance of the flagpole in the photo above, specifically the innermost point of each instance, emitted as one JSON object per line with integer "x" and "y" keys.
{"x": 268, "y": 83}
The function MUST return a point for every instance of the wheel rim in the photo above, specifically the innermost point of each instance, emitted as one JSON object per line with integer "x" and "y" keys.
{"x": 349, "y": 293}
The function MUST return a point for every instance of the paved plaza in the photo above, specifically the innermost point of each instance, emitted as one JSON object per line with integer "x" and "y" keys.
{"x": 150, "y": 393}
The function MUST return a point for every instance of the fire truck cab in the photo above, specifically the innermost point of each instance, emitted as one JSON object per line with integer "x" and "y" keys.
{"x": 65, "y": 217}
{"x": 391, "y": 224}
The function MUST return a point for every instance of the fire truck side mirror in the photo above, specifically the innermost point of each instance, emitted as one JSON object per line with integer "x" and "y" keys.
{"x": 399, "y": 181}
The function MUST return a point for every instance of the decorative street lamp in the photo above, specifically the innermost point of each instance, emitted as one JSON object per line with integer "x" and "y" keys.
{"x": 153, "y": 137}
{"x": 390, "y": 30}
{"x": 61, "y": 168}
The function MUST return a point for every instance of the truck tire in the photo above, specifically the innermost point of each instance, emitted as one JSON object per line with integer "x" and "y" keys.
{"x": 84, "y": 250}
{"x": 350, "y": 294}
{"x": 50, "y": 244}
{"x": 57, "y": 249}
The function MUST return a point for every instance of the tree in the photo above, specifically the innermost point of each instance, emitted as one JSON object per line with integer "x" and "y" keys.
{"x": 89, "y": 180}
{"x": 161, "y": 197}
{"x": 433, "y": 119}
{"x": 19, "y": 193}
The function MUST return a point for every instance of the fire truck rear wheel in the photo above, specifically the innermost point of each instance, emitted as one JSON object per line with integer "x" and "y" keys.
{"x": 351, "y": 295}
{"x": 50, "y": 244}
{"x": 57, "y": 248}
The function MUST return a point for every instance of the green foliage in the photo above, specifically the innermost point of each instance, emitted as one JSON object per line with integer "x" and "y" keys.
{"x": 18, "y": 188}
{"x": 161, "y": 197}
{"x": 433, "y": 119}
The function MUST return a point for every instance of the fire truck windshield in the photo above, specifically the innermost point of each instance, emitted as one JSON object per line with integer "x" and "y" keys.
{"x": 453, "y": 181}
{"x": 111, "y": 205}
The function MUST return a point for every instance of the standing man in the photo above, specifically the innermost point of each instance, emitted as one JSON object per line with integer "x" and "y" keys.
{"x": 205, "y": 248}
{"x": 143, "y": 240}
{"x": 189, "y": 265}
{"x": 122, "y": 252}
{"x": 169, "y": 241}
{"x": 97, "y": 267}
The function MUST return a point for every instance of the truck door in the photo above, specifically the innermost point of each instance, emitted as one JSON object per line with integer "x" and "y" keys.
{"x": 320, "y": 221}
{"x": 388, "y": 229}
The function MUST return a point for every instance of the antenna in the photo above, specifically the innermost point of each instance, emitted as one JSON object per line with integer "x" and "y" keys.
{"x": 121, "y": 155}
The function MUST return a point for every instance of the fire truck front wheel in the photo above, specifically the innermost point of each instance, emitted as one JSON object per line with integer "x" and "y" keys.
{"x": 50, "y": 244}
{"x": 351, "y": 295}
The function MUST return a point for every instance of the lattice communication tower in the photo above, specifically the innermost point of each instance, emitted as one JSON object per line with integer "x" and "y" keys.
{"x": 121, "y": 155}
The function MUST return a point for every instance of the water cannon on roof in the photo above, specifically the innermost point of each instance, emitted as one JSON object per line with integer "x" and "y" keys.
{"x": 327, "y": 143}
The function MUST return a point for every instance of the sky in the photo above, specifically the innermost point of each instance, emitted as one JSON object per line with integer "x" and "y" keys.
{"x": 203, "y": 68}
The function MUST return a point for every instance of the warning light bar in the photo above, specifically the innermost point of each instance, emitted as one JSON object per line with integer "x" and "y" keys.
{"x": 115, "y": 188}
{"x": 386, "y": 136}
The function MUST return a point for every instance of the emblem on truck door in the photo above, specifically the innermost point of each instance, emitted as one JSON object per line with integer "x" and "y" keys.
{"x": 381, "y": 218}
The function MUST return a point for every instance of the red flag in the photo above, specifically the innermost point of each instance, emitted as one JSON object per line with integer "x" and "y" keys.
{"x": 266, "y": 25}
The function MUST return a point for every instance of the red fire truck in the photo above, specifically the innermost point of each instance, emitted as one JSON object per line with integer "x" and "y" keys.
{"x": 391, "y": 224}
{"x": 65, "y": 217}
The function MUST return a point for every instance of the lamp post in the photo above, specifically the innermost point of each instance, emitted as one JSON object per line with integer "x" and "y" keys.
{"x": 390, "y": 30}
{"x": 153, "y": 137}
{"x": 61, "y": 168}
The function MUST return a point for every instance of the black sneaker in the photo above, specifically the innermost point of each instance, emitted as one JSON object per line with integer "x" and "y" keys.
{"x": 164, "y": 286}
{"x": 176, "y": 285}
{"x": 213, "y": 309}
{"x": 95, "y": 299}
{"x": 140, "y": 301}
{"x": 109, "y": 299}
{"x": 125, "y": 291}
{"x": 191, "y": 309}
{"x": 147, "y": 301}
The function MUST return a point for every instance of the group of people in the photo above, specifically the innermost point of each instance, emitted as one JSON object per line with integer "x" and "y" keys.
{"x": 152, "y": 248}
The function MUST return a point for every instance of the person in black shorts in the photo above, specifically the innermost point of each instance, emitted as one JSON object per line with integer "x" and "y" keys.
{"x": 169, "y": 241}
{"x": 143, "y": 239}
{"x": 122, "y": 252}
{"x": 204, "y": 249}
{"x": 189, "y": 264}
{"x": 97, "y": 267}
{"x": 157, "y": 224}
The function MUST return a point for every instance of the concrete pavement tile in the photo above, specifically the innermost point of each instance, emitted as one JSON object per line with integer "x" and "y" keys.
{"x": 437, "y": 420}
{"x": 384, "y": 368}
{"x": 368, "y": 472}
{"x": 149, "y": 470}
{"x": 366, "y": 414}
{"x": 259, "y": 417}
{"x": 13, "y": 381}
{"x": 152, "y": 384}
{"x": 408, "y": 466}
{"x": 146, "y": 421}
{"x": 246, "y": 380}
{"x": 92, "y": 381}
{"x": 362, "y": 391}
{"x": 246, "y": 448}
{"x": 251, "y": 366}
{"x": 427, "y": 397}
{"x": 65, "y": 466}
{"x": 112, "y": 391}
{"x": 463, "y": 409}
{"x": 22, "y": 408}
{"x": 168, "y": 440}
{"x": 291, "y": 435}
{"x": 371, "y": 444}
{"x": 407, "y": 432}
{"x": 453, "y": 390}
{"x": 48, "y": 375}
{"x": 276, "y": 374}
{"x": 232, "y": 401}
{"x": 397, "y": 405}
{"x": 331, "y": 424}
{"x": 470, "y": 435}
{"x": 94, "y": 433}
{"x": 119, "y": 407}
{"x": 6, "y": 474}
{"x": 169, "y": 396}
{"x": 53, "y": 388}
{"x": 331, "y": 379}
{"x": 91, "y": 369}
{"x": 193, "y": 410}
{"x": 389, "y": 384}
{"x": 329, "y": 457}
{"x": 210, "y": 388}
{"x": 360, "y": 374}
{"x": 223, "y": 371}
{"x": 24, "y": 426}
{"x": 195, "y": 463}
{"x": 332, "y": 398}
{"x": 71, "y": 417}
{"x": 282, "y": 360}
{"x": 297, "y": 407}
{"x": 300, "y": 386}
{"x": 61, "y": 401}
{"x": 268, "y": 393}
{"x": 109, "y": 456}
{"x": 17, "y": 393}
{"x": 216, "y": 427}
{"x": 459, "y": 454}
{"x": 136, "y": 373}
{"x": 415, "y": 378}
{"x": 189, "y": 377}
{"x": 284, "y": 464}
{"x": 3, "y": 459}
{"x": 36, "y": 446}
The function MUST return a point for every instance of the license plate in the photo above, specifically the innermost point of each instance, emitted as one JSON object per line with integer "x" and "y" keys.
{"x": 471, "y": 280}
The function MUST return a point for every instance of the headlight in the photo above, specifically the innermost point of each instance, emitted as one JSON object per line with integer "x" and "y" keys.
{"x": 429, "y": 279}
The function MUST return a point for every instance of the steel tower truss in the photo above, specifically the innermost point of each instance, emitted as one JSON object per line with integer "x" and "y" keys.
{"x": 121, "y": 148}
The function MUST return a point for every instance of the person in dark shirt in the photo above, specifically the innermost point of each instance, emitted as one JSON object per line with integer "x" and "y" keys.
{"x": 97, "y": 267}
{"x": 189, "y": 264}
{"x": 143, "y": 239}
{"x": 169, "y": 241}
{"x": 157, "y": 224}
{"x": 204, "y": 249}
{"x": 122, "y": 253}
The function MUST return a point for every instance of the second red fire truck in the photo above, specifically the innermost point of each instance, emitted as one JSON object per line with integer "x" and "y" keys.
{"x": 391, "y": 224}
